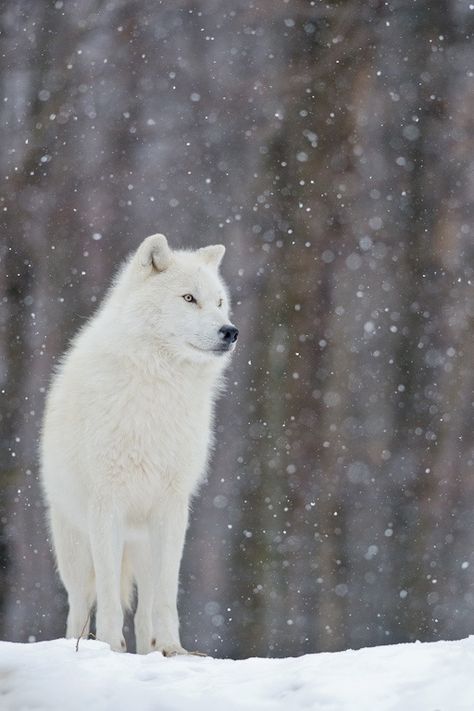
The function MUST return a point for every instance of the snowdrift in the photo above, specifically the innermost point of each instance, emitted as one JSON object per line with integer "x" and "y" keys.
{"x": 408, "y": 677}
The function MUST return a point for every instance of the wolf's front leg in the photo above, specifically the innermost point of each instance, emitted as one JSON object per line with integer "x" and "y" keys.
{"x": 167, "y": 541}
{"x": 142, "y": 561}
{"x": 107, "y": 541}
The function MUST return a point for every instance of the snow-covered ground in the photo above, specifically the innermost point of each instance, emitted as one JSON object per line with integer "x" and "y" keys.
{"x": 407, "y": 677}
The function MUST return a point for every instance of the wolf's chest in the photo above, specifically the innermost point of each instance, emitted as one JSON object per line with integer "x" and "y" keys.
{"x": 164, "y": 441}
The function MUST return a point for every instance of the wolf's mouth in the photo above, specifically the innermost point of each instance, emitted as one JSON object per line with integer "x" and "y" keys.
{"x": 219, "y": 350}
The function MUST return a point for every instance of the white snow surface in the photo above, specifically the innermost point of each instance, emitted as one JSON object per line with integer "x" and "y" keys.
{"x": 438, "y": 676}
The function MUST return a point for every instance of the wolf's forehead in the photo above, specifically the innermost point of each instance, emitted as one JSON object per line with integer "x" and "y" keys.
{"x": 206, "y": 283}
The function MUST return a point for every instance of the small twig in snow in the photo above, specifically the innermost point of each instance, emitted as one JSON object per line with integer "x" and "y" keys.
{"x": 83, "y": 630}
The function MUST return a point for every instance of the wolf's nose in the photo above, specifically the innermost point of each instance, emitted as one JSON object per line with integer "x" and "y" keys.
{"x": 229, "y": 334}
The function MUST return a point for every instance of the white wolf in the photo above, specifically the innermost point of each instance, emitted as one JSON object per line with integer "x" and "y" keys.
{"x": 127, "y": 430}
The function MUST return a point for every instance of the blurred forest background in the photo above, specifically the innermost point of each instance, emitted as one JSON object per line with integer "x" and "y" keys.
{"x": 329, "y": 146}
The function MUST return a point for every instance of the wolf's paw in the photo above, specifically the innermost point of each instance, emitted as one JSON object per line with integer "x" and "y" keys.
{"x": 117, "y": 644}
{"x": 173, "y": 650}
{"x": 168, "y": 650}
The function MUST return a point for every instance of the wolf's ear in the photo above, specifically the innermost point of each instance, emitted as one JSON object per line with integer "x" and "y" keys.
{"x": 154, "y": 252}
{"x": 213, "y": 254}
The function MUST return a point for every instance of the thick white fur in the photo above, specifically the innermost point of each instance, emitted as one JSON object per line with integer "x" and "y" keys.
{"x": 126, "y": 436}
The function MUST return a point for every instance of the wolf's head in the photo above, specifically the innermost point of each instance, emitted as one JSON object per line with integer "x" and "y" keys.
{"x": 180, "y": 300}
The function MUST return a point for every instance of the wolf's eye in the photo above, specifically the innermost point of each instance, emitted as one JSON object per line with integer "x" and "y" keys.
{"x": 189, "y": 298}
{"x": 220, "y": 303}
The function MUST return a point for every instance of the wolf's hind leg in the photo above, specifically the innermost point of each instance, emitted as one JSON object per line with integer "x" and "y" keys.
{"x": 75, "y": 567}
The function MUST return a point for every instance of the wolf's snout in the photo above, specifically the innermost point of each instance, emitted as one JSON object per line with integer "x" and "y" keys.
{"x": 229, "y": 334}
